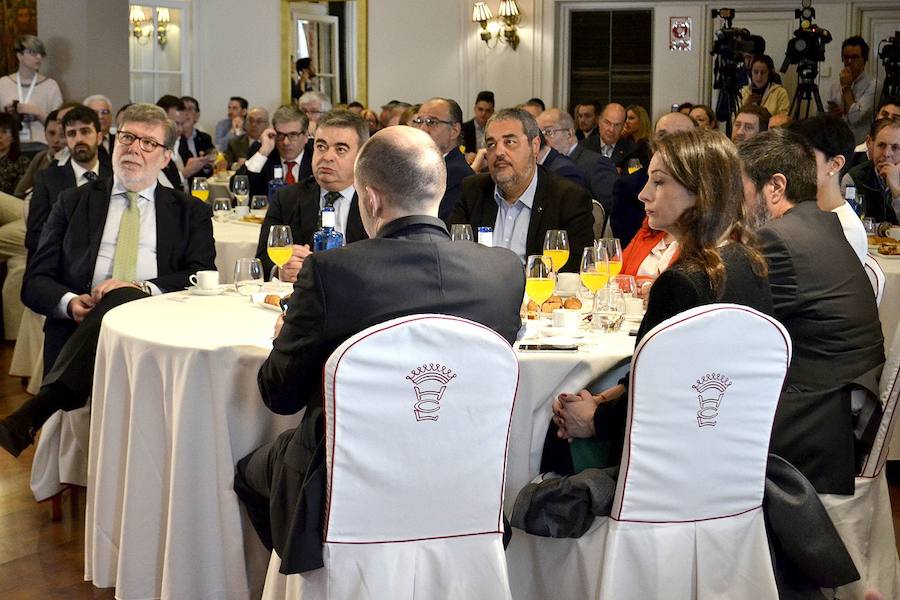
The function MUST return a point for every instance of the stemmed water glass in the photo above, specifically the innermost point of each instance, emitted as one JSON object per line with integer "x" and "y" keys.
{"x": 461, "y": 232}
{"x": 200, "y": 189}
{"x": 556, "y": 247}
{"x": 221, "y": 209}
{"x": 279, "y": 246}
{"x": 540, "y": 281}
{"x": 240, "y": 187}
{"x": 248, "y": 276}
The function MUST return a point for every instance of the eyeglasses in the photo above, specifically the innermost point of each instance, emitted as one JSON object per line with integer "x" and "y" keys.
{"x": 429, "y": 122}
{"x": 551, "y": 131}
{"x": 31, "y": 52}
{"x": 292, "y": 136}
{"x": 147, "y": 144}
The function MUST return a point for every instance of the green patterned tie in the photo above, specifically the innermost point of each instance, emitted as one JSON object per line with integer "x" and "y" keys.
{"x": 125, "y": 260}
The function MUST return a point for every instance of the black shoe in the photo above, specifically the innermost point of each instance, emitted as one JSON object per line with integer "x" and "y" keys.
{"x": 15, "y": 434}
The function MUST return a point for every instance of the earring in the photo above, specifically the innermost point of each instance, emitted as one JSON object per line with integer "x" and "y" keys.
{"x": 831, "y": 173}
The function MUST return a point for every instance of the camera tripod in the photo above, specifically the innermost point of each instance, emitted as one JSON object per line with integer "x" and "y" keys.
{"x": 891, "y": 85}
{"x": 729, "y": 102}
{"x": 807, "y": 91}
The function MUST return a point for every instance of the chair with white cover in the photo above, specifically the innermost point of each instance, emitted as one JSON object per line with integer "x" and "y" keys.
{"x": 864, "y": 519}
{"x": 599, "y": 219}
{"x": 876, "y": 277}
{"x": 687, "y": 519}
{"x": 417, "y": 413}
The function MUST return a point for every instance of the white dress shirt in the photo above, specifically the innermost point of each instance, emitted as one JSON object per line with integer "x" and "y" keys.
{"x": 257, "y": 162}
{"x": 146, "y": 261}
{"x": 511, "y": 224}
{"x": 80, "y": 179}
{"x": 341, "y": 208}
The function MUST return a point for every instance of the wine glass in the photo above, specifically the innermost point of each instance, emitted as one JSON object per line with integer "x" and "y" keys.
{"x": 540, "y": 281}
{"x": 626, "y": 285}
{"x": 248, "y": 276}
{"x": 279, "y": 245}
{"x": 594, "y": 270}
{"x": 461, "y": 232}
{"x": 613, "y": 254}
{"x": 556, "y": 247}
{"x": 200, "y": 189}
{"x": 258, "y": 204}
{"x": 221, "y": 209}
{"x": 240, "y": 187}
{"x": 611, "y": 308}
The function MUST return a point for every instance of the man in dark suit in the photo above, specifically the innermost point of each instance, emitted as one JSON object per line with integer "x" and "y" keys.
{"x": 586, "y": 117}
{"x": 600, "y": 173}
{"x": 238, "y": 150}
{"x": 108, "y": 242}
{"x": 103, "y": 106}
{"x": 473, "y": 129}
{"x": 339, "y": 136}
{"x": 409, "y": 266}
{"x": 82, "y": 133}
{"x": 560, "y": 165}
{"x": 628, "y": 213}
{"x": 610, "y": 142}
{"x": 193, "y": 142}
{"x": 829, "y": 410}
{"x": 282, "y": 145}
{"x": 521, "y": 200}
{"x": 441, "y": 118}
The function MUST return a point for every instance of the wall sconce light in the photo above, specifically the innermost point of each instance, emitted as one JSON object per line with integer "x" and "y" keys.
{"x": 508, "y": 15}
{"x": 140, "y": 24}
{"x": 162, "y": 26}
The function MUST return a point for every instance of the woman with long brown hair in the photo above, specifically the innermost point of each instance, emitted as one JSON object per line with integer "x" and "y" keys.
{"x": 694, "y": 193}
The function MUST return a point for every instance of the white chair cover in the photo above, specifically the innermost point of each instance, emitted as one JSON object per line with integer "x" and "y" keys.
{"x": 61, "y": 455}
{"x": 864, "y": 519}
{"x": 876, "y": 277}
{"x": 687, "y": 518}
{"x": 417, "y": 414}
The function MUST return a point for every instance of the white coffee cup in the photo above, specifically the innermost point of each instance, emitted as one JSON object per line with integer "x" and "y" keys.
{"x": 893, "y": 232}
{"x": 565, "y": 318}
{"x": 567, "y": 284}
{"x": 241, "y": 211}
{"x": 205, "y": 280}
{"x": 634, "y": 307}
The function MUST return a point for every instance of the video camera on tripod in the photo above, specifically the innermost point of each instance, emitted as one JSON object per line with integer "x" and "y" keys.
{"x": 806, "y": 50}
{"x": 890, "y": 60}
{"x": 730, "y": 47}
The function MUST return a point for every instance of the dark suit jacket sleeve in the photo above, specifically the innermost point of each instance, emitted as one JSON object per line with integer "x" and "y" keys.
{"x": 578, "y": 221}
{"x": 462, "y": 210}
{"x": 259, "y": 182}
{"x": 782, "y": 275}
{"x": 199, "y": 251}
{"x": 292, "y": 375}
{"x": 38, "y": 211}
{"x": 274, "y": 216}
{"x": 603, "y": 178}
{"x": 41, "y": 289}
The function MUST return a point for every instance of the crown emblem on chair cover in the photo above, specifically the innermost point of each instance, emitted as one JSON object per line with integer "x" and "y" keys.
{"x": 429, "y": 381}
{"x": 710, "y": 390}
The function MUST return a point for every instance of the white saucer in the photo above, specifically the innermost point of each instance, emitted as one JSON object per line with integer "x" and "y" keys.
{"x": 563, "y": 332}
{"x": 201, "y": 292}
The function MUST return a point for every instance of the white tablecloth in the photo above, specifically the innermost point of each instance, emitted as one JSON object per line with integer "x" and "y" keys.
{"x": 176, "y": 405}
{"x": 234, "y": 240}
{"x": 889, "y": 311}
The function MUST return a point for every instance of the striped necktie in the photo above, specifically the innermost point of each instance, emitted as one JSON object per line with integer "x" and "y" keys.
{"x": 125, "y": 259}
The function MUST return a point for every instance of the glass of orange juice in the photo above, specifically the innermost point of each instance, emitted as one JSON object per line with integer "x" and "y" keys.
{"x": 556, "y": 247}
{"x": 613, "y": 254}
{"x": 280, "y": 245}
{"x": 594, "y": 270}
{"x": 200, "y": 189}
{"x": 540, "y": 281}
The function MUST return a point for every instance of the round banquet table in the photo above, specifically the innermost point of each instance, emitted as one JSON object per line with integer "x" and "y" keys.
{"x": 176, "y": 405}
{"x": 889, "y": 310}
{"x": 234, "y": 240}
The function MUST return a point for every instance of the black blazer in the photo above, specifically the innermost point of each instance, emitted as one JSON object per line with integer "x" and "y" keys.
{"x": 599, "y": 172}
{"x": 824, "y": 299}
{"x": 622, "y": 147}
{"x": 558, "y": 204}
{"x": 204, "y": 144}
{"x": 875, "y": 198}
{"x": 259, "y": 182}
{"x": 341, "y": 292}
{"x": 297, "y": 205}
{"x": 470, "y": 141}
{"x": 457, "y": 170}
{"x": 67, "y": 251}
{"x": 47, "y": 186}
{"x": 564, "y": 167}
{"x": 628, "y": 212}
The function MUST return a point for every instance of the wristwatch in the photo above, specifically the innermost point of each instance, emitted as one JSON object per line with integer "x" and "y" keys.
{"x": 143, "y": 285}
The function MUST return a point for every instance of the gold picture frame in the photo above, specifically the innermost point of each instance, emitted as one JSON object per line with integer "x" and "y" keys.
{"x": 362, "y": 47}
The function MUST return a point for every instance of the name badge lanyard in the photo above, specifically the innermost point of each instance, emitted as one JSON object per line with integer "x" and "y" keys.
{"x": 25, "y": 134}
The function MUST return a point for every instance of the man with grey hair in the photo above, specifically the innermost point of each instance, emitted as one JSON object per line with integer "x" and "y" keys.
{"x": 103, "y": 107}
{"x": 520, "y": 199}
{"x": 441, "y": 118}
{"x": 238, "y": 148}
{"x": 314, "y": 105}
{"x": 339, "y": 137}
{"x": 283, "y": 144}
{"x": 409, "y": 266}
{"x": 105, "y": 243}
{"x": 558, "y": 129}
{"x": 829, "y": 411}
{"x": 610, "y": 142}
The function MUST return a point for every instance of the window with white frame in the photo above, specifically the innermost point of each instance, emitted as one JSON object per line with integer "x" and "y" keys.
{"x": 157, "y": 49}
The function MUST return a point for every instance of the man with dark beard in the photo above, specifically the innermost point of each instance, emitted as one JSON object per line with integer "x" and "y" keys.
{"x": 82, "y": 132}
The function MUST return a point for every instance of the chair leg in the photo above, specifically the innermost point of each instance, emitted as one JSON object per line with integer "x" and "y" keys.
{"x": 56, "y": 508}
